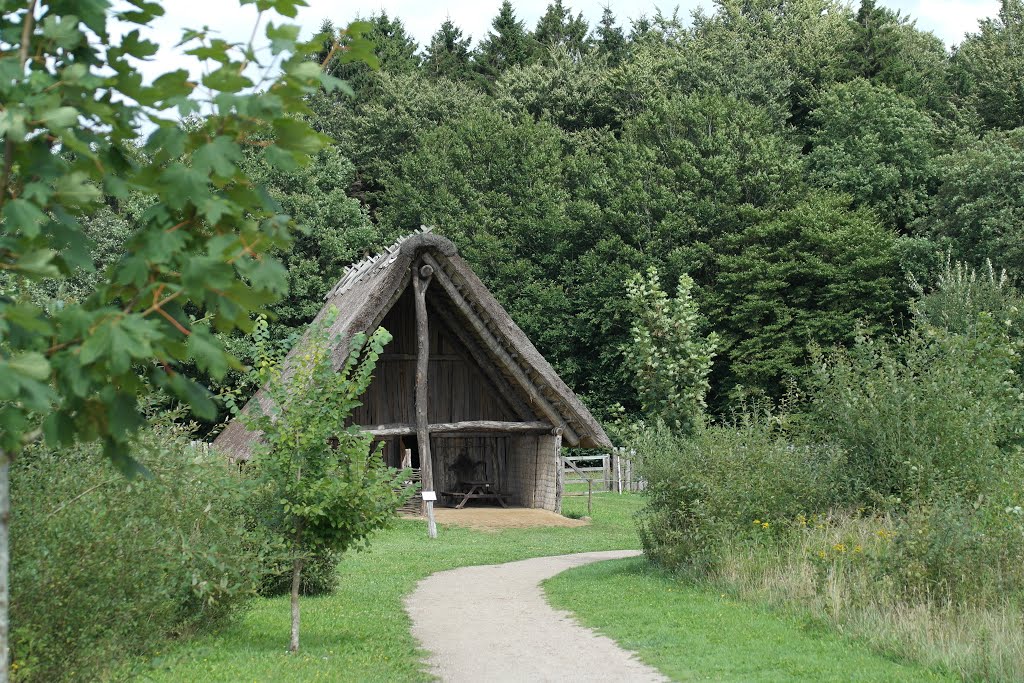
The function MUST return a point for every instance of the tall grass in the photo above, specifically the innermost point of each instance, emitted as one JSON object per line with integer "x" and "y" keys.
{"x": 828, "y": 573}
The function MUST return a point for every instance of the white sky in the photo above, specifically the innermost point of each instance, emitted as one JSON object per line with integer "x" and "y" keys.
{"x": 948, "y": 19}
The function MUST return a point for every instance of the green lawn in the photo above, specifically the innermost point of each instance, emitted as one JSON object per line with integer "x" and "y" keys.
{"x": 362, "y": 633}
{"x": 691, "y": 634}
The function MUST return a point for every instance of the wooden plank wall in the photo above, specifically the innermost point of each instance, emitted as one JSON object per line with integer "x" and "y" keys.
{"x": 459, "y": 390}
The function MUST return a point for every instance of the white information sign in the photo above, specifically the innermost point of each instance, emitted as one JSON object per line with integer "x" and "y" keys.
{"x": 429, "y": 495}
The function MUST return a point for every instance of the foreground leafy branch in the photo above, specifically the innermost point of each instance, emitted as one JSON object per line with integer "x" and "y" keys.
{"x": 80, "y": 128}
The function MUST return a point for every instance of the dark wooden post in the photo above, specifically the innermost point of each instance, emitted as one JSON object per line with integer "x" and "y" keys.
{"x": 559, "y": 469}
{"x": 420, "y": 282}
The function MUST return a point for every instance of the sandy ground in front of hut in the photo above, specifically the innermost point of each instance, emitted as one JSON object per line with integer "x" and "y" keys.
{"x": 497, "y": 518}
{"x": 492, "y": 623}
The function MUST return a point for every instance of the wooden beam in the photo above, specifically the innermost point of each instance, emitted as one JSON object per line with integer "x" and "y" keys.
{"x": 559, "y": 473}
{"x": 420, "y": 282}
{"x": 536, "y": 398}
{"x": 492, "y": 426}
{"x": 390, "y": 430}
{"x": 476, "y": 426}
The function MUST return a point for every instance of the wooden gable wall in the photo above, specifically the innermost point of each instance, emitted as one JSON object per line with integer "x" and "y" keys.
{"x": 459, "y": 389}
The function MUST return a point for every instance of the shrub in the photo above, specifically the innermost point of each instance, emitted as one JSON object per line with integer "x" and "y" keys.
{"x": 951, "y": 550}
{"x": 319, "y": 576}
{"x": 934, "y": 411}
{"x": 105, "y": 569}
{"x": 720, "y": 482}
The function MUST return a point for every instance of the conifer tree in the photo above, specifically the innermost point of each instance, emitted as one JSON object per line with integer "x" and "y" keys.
{"x": 448, "y": 54}
{"x": 558, "y": 28}
{"x": 506, "y": 46}
{"x": 611, "y": 40}
{"x": 989, "y": 66}
{"x": 395, "y": 48}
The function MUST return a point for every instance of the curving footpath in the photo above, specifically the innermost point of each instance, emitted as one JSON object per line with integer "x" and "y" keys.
{"x": 492, "y": 623}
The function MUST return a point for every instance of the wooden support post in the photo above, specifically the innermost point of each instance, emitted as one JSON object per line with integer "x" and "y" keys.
{"x": 420, "y": 281}
{"x": 559, "y": 469}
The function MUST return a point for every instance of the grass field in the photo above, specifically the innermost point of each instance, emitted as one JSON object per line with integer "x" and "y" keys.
{"x": 361, "y": 633}
{"x": 690, "y": 634}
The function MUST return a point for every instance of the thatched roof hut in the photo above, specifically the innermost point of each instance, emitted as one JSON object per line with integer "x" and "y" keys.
{"x": 460, "y": 385}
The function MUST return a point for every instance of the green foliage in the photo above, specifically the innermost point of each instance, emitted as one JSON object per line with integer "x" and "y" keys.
{"x": 333, "y": 487}
{"x": 106, "y": 570}
{"x": 319, "y": 576}
{"x": 328, "y": 487}
{"x": 960, "y": 295}
{"x": 959, "y": 549}
{"x": 908, "y": 412}
{"x": 558, "y": 28}
{"x": 725, "y": 481}
{"x": 669, "y": 357}
{"x": 875, "y": 145}
{"x": 334, "y": 229}
{"x": 811, "y": 275}
{"x": 988, "y": 67}
{"x": 448, "y": 54}
{"x": 886, "y": 48}
{"x": 978, "y": 211}
{"x": 507, "y": 44}
{"x": 201, "y": 247}
{"x": 609, "y": 38}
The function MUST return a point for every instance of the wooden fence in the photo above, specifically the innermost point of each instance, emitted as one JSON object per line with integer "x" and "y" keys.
{"x": 613, "y": 471}
{"x": 414, "y": 506}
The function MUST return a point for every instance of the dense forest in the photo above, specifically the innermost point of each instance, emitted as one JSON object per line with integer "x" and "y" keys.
{"x": 804, "y": 162}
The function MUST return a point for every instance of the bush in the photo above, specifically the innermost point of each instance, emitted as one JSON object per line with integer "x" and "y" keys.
{"x": 723, "y": 480}
{"x": 933, "y": 412}
{"x": 950, "y": 550}
{"x": 319, "y": 576}
{"x": 106, "y": 569}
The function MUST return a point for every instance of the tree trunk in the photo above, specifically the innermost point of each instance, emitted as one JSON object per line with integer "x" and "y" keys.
{"x": 420, "y": 281}
{"x": 5, "y": 557}
{"x": 296, "y": 576}
{"x": 296, "y": 583}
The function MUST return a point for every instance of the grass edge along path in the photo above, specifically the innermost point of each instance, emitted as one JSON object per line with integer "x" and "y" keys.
{"x": 361, "y": 632}
{"x": 692, "y": 633}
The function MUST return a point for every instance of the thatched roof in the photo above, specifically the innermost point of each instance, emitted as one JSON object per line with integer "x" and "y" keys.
{"x": 371, "y": 287}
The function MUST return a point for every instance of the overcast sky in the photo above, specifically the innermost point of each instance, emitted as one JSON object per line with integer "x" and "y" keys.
{"x": 948, "y": 19}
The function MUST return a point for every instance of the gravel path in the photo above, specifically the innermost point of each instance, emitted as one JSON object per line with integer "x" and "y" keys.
{"x": 492, "y": 623}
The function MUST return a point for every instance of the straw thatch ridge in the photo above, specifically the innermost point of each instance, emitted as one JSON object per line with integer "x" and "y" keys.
{"x": 368, "y": 290}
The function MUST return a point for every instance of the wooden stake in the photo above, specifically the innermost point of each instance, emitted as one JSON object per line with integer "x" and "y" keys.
{"x": 431, "y": 523}
{"x": 420, "y": 282}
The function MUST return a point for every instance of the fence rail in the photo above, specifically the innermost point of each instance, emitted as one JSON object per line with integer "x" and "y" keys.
{"x": 605, "y": 472}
